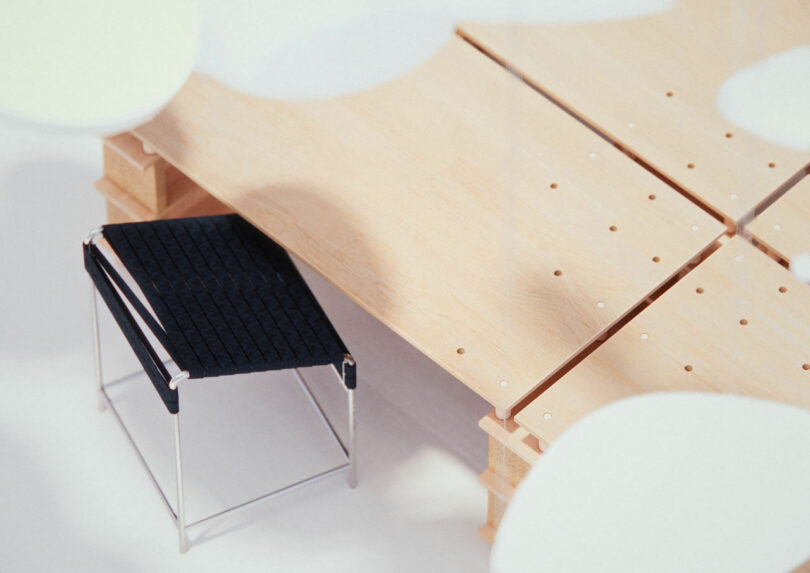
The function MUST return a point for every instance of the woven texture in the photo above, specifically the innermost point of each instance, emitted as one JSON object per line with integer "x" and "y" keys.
{"x": 228, "y": 298}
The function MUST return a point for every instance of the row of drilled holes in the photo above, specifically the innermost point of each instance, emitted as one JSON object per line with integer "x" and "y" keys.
{"x": 729, "y": 135}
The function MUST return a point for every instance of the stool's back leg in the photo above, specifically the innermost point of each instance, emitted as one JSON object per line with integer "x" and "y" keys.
{"x": 181, "y": 507}
{"x": 102, "y": 403}
{"x": 352, "y": 440}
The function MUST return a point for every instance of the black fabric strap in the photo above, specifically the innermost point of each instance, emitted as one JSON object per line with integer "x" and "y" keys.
{"x": 144, "y": 351}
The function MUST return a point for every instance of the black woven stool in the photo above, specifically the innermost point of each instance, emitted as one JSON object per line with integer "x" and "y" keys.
{"x": 224, "y": 299}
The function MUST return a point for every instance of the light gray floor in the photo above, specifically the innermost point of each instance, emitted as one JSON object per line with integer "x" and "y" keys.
{"x": 72, "y": 494}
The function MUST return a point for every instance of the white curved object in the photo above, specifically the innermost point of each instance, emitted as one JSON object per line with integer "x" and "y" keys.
{"x": 93, "y": 65}
{"x": 313, "y": 49}
{"x": 666, "y": 483}
{"x": 800, "y": 265}
{"x": 770, "y": 99}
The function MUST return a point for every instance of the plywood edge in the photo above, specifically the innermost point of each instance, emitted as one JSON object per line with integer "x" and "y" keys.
{"x": 131, "y": 150}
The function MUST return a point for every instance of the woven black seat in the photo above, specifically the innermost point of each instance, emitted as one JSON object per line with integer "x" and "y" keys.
{"x": 225, "y": 299}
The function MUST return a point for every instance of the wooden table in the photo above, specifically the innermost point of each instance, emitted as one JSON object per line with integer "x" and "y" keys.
{"x": 533, "y": 208}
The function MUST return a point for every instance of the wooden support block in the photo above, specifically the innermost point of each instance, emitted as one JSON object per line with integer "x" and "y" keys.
{"x": 141, "y": 175}
{"x": 187, "y": 200}
{"x": 517, "y": 439}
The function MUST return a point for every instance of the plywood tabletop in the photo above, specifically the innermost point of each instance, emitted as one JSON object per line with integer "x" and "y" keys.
{"x": 652, "y": 83}
{"x": 738, "y": 323}
{"x": 472, "y": 216}
{"x": 784, "y": 227}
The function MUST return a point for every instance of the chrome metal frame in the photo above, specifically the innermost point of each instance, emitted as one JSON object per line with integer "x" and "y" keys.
{"x": 179, "y": 517}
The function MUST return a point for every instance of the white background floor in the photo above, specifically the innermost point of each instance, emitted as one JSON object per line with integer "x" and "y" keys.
{"x": 73, "y": 496}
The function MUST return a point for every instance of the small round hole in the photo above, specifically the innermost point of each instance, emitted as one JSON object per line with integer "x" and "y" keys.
{"x": 504, "y": 383}
{"x": 592, "y": 155}
{"x": 744, "y": 321}
{"x": 688, "y": 368}
{"x": 631, "y": 125}
{"x": 460, "y": 351}
{"x": 614, "y": 228}
{"x": 600, "y": 304}
{"x": 651, "y": 197}
{"x": 738, "y": 258}
{"x": 782, "y": 289}
{"x": 656, "y": 259}
{"x": 558, "y": 273}
{"x": 805, "y": 366}
{"x": 547, "y": 416}
{"x": 690, "y": 165}
{"x": 670, "y": 94}
{"x": 695, "y": 227}
{"x": 699, "y": 290}
{"x": 553, "y": 185}
{"x": 772, "y": 165}
{"x": 777, "y": 227}
{"x": 733, "y": 196}
{"x": 729, "y": 135}
{"x": 644, "y": 336}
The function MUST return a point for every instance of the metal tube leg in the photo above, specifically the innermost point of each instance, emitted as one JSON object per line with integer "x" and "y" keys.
{"x": 181, "y": 509}
{"x": 352, "y": 441}
{"x": 102, "y": 403}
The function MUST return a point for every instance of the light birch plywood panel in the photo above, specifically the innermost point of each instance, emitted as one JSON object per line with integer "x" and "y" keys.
{"x": 784, "y": 227}
{"x": 443, "y": 203}
{"x": 651, "y": 84}
{"x": 739, "y": 323}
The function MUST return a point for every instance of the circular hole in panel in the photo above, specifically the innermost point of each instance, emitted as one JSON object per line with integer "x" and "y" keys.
{"x": 733, "y": 196}
{"x": 771, "y": 164}
{"x": 651, "y": 197}
{"x": 460, "y": 351}
{"x": 600, "y": 304}
{"x": 699, "y": 290}
{"x": 644, "y": 336}
{"x": 777, "y": 227}
{"x": 690, "y": 165}
{"x": 558, "y": 273}
{"x": 783, "y": 289}
{"x": 656, "y": 259}
{"x": 729, "y": 135}
{"x": 805, "y": 366}
{"x": 688, "y": 367}
{"x": 670, "y": 94}
{"x": 553, "y": 185}
{"x": 738, "y": 258}
{"x": 547, "y": 415}
{"x": 504, "y": 383}
{"x": 631, "y": 125}
{"x": 593, "y": 155}
{"x": 614, "y": 228}
{"x": 695, "y": 227}
{"x": 744, "y": 321}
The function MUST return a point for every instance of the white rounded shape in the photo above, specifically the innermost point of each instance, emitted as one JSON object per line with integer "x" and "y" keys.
{"x": 631, "y": 125}
{"x": 600, "y": 304}
{"x": 547, "y": 416}
{"x": 695, "y": 227}
{"x": 769, "y": 98}
{"x": 777, "y": 227}
{"x": 93, "y": 65}
{"x": 644, "y": 336}
{"x": 800, "y": 265}
{"x": 738, "y": 258}
{"x": 666, "y": 483}
{"x": 315, "y": 48}
{"x": 504, "y": 383}
{"x": 593, "y": 155}
{"x": 733, "y": 196}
